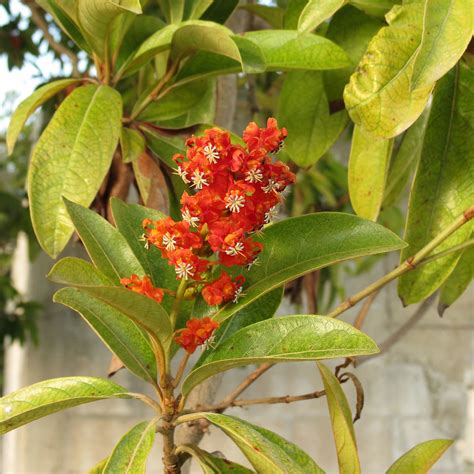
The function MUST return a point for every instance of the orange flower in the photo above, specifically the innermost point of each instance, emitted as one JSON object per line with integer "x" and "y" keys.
{"x": 223, "y": 289}
{"x": 196, "y": 333}
{"x": 143, "y": 286}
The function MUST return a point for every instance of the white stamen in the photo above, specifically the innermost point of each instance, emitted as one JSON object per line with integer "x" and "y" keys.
{"x": 256, "y": 261}
{"x": 235, "y": 250}
{"x": 169, "y": 241}
{"x": 271, "y": 214}
{"x": 198, "y": 179}
{"x": 211, "y": 153}
{"x": 144, "y": 239}
{"x": 8, "y": 409}
{"x": 190, "y": 219}
{"x": 238, "y": 293}
{"x": 209, "y": 344}
{"x": 254, "y": 175}
{"x": 271, "y": 186}
{"x": 184, "y": 270}
{"x": 234, "y": 202}
{"x": 183, "y": 174}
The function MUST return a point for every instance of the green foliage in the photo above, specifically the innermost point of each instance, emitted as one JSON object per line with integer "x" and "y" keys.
{"x": 50, "y": 396}
{"x": 420, "y": 458}
{"x": 341, "y": 420}
{"x": 442, "y": 188}
{"x": 266, "y": 451}
{"x": 132, "y": 450}
{"x": 284, "y": 339}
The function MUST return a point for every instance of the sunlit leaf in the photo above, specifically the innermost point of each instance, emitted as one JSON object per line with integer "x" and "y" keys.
{"x": 368, "y": 167}
{"x": 50, "y": 396}
{"x": 71, "y": 159}
{"x": 341, "y": 421}
{"x": 316, "y": 11}
{"x": 283, "y": 339}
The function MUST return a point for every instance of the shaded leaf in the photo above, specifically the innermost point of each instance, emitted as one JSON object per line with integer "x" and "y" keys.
{"x": 351, "y": 30}
{"x": 71, "y": 159}
{"x": 268, "y": 452}
{"x": 132, "y": 144}
{"x": 30, "y": 104}
{"x": 304, "y": 111}
{"x": 420, "y": 458}
{"x": 288, "y": 50}
{"x": 368, "y": 167}
{"x": 374, "y": 7}
{"x": 220, "y": 10}
{"x": 193, "y": 9}
{"x": 272, "y": 15}
{"x": 172, "y": 10}
{"x": 130, "y": 454}
{"x": 151, "y": 183}
{"x": 341, "y": 420}
{"x": 316, "y": 11}
{"x": 447, "y": 30}
{"x": 403, "y": 164}
{"x": 317, "y": 240}
{"x": 442, "y": 189}
{"x": 458, "y": 281}
{"x": 379, "y": 95}
{"x": 115, "y": 329}
{"x": 105, "y": 245}
{"x": 50, "y": 396}
{"x": 283, "y": 339}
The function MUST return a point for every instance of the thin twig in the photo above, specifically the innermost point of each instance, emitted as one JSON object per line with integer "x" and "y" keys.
{"x": 38, "y": 19}
{"x": 409, "y": 264}
{"x": 245, "y": 384}
{"x": 359, "y": 321}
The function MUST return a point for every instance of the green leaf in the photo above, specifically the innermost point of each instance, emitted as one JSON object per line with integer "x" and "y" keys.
{"x": 351, "y": 30}
{"x": 284, "y": 339}
{"x": 190, "y": 39}
{"x": 193, "y": 9}
{"x": 71, "y": 159}
{"x": 458, "y": 281}
{"x": 212, "y": 464}
{"x": 442, "y": 189}
{"x": 96, "y": 18}
{"x": 99, "y": 468}
{"x": 76, "y": 271}
{"x": 268, "y": 452}
{"x": 288, "y": 50}
{"x": 106, "y": 247}
{"x": 144, "y": 311}
{"x": 50, "y": 396}
{"x": 292, "y": 13}
{"x": 374, "y": 7}
{"x": 341, "y": 420}
{"x": 304, "y": 111}
{"x": 420, "y": 458}
{"x": 317, "y": 240}
{"x": 272, "y": 15}
{"x": 368, "y": 166}
{"x": 29, "y": 105}
{"x": 220, "y": 10}
{"x": 132, "y": 144}
{"x": 447, "y": 30}
{"x": 131, "y": 453}
{"x": 129, "y": 218}
{"x": 184, "y": 106}
{"x": 116, "y": 330}
{"x": 403, "y": 164}
{"x": 379, "y": 95}
{"x": 172, "y": 10}
{"x": 316, "y": 11}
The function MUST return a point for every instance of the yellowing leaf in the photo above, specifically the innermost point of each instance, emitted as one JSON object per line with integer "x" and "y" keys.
{"x": 341, "y": 420}
{"x": 379, "y": 95}
{"x": 71, "y": 159}
{"x": 368, "y": 167}
{"x": 316, "y": 11}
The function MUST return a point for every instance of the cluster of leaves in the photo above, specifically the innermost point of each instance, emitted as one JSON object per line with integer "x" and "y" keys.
{"x": 375, "y": 62}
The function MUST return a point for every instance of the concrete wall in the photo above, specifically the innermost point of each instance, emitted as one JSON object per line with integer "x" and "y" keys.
{"x": 421, "y": 389}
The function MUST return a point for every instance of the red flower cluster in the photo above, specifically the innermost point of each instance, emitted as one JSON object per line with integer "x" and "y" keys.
{"x": 143, "y": 286}
{"x": 237, "y": 189}
{"x": 196, "y": 333}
